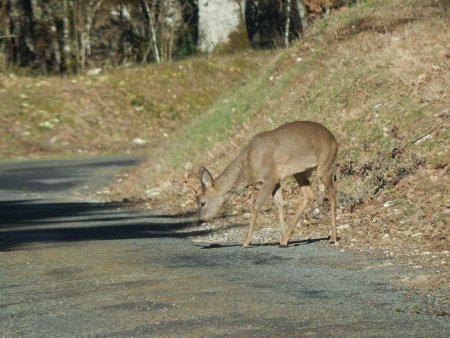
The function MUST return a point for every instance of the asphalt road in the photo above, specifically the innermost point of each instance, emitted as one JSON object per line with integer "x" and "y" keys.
{"x": 73, "y": 267}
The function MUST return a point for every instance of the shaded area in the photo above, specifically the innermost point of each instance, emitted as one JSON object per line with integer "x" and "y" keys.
{"x": 43, "y": 176}
{"x": 31, "y": 212}
{"x": 24, "y": 222}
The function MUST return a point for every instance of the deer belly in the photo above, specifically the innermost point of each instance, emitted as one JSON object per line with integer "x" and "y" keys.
{"x": 294, "y": 166}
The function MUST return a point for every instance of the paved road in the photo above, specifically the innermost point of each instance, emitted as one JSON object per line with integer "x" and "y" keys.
{"x": 72, "y": 268}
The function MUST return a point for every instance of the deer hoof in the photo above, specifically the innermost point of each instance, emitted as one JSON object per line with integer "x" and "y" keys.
{"x": 283, "y": 244}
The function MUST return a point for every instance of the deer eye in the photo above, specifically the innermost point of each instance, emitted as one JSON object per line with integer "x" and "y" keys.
{"x": 202, "y": 204}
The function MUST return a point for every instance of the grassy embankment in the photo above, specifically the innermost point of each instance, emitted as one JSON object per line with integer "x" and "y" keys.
{"x": 377, "y": 75}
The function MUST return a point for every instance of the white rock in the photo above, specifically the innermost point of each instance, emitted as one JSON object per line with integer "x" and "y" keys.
{"x": 407, "y": 233}
{"x": 139, "y": 142}
{"x": 166, "y": 185}
{"x": 343, "y": 226}
{"x": 46, "y": 125}
{"x": 153, "y": 192}
{"x": 94, "y": 71}
{"x": 388, "y": 204}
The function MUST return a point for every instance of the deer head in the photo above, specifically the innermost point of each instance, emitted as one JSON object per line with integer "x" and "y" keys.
{"x": 209, "y": 199}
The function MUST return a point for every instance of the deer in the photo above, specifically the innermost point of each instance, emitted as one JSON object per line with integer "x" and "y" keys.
{"x": 293, "y": 149}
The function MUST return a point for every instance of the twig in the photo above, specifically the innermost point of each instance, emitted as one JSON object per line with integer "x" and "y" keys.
{"x": 424, "y": 135}
{"x": 8, "y": 36}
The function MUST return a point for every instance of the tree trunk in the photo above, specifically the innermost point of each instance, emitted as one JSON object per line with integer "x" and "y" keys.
{"x": 66, "y": 48}
{"x": 86, "y": 20}
{"x": 221, "y": 23}
{"x": 15, "y": 54}
{"x": 152, "y": 43}
{"x": 287, "y": 26}
{"x": 170, "y": 21}
{"x": 302, "y": 14}
{"x": 54, "y": 41}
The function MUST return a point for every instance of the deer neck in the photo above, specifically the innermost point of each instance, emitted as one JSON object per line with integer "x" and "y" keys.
{"x": 233, "y": 177}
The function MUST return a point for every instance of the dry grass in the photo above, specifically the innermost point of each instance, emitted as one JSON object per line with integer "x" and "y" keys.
{"x": 103, "y": 114}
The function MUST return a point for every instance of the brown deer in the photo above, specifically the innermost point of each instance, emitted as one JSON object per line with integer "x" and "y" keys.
{"x": 293, "y": 149}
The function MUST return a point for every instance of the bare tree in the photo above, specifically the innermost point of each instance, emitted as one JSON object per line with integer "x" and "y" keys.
{"x": 287, "y": 26}
{"x": 302, "y": 13}
{"x": 84, "y": 19}
{"x": 152, "y": 43}
{"x": 221, "y": 22}
{"x": 53, "y": 36}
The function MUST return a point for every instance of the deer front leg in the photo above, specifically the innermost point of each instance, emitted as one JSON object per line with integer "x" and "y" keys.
{"x": 308, "y": 196}
{"x": 261, "y": 197}
{"x": 332, "y": 198}
{"x": 248, "y": 237}
{"x": 278, "y": 200}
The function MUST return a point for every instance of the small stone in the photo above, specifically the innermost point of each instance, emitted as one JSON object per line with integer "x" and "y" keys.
{"x": 407, "y": 233}
{"x": 139, "y": 142}
{"x": 343, "y": 226}
{"x": 388, "y": 204}
{"x": 153, "y": 192}
{"x": 94, "y": 71}
{"x": 166, "y": 185}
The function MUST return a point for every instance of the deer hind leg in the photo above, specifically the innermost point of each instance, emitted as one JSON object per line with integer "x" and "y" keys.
{"x": 277, "y": 194}
{"x": 261, "y": 197}
{"x": 326, "y": 176}
{"x": 308, "y": 197}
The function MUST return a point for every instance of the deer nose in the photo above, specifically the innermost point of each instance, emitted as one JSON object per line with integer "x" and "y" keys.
{"x": 199, "y": 221}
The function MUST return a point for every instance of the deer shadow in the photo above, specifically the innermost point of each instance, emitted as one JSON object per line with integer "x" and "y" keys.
{"x": 291, "y": 244}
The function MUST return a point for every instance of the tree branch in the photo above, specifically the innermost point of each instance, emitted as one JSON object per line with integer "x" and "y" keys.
{"x": 8, "y": 36}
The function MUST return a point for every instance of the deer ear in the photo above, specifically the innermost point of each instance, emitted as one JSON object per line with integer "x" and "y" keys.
{"x": 206, "y": 178}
